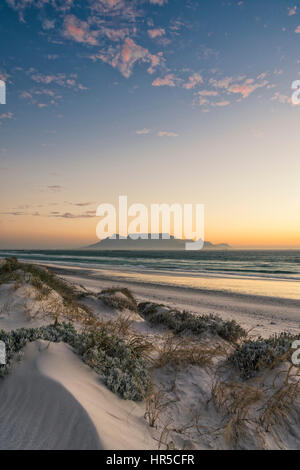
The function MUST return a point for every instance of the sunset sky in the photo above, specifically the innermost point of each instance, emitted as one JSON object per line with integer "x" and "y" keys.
{"x": 164, "y": 101}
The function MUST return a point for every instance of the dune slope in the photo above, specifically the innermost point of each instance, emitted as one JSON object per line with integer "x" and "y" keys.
{"x": 37, "y": 412}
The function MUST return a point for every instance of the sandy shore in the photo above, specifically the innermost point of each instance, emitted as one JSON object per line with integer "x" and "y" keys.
{"x": 65, "y": 394}
{"x": 260, "y": 314}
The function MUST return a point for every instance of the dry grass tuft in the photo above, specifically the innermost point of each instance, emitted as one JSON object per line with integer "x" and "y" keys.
{"x": 119, "y": 299}
{"x": 180, "y": 352}
{"x": 234, "y": 400}
{"x": 280, "y": 406}
{"x": 121, "y": 326}
{"x": 156, "y": 402}
{"x": 140, "y": 346}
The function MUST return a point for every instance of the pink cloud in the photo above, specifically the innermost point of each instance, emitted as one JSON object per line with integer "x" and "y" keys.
{"x": 112, "y": 3}
{"x": 167, "y": 134}
{"x": 79, "y": 31}
{"x": 283, "y": 99}
{"x": 223, "y": 83}
{"x": 155, "y": 61}
{"x": 125, "y": 9}
{"x": 168, "y": 80}
{"x": 239, "y": 85}
{"x": 26, "y": 95}
{"x": 297, "y": 30}
{"x": 207, "y": 93}
{"x": 156, "y": 33}
{"x": 6, "y": 115}
{"x": 115, "y": 34}
{"x": 248, "y": 87}
{"x": 60, "y": 79}
{"x": 221, "y": 103}
{"x": 126, "y": 55}
{"x": 193, "y": 81}
{"x": 21, "y": 5}
{"x": 143, "y": 131}
{"x": 159, "y": 2}
{"x": 292, "y": 11}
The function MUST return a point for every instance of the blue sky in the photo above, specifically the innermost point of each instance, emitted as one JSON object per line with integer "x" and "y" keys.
{"x": 165, "y": 101}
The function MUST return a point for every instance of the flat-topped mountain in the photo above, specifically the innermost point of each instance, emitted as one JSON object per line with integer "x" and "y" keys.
{"x": 149, "y": 244}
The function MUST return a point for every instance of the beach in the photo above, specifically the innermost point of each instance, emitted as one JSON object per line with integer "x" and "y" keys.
{"x": 259, "y": 289}
{"x": 197, "y": 388}
{"x": 263, "y": 315}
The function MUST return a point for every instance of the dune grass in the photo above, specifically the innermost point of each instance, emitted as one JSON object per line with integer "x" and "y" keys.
{"x": 41, "y": 278}
{"x": 118, "y": 298}
{"x": 180, "y": 322}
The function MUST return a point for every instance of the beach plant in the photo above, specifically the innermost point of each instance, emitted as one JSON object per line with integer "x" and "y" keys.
{"x": 281, "y": 405}
{"x": 254, "y": 355}
{"x": 40, "y": 277}
{"x": 123, "y": 371}
{"x": 180, "y": 322}
{"x": 45, "y": 281}
{"x": 186, "y": 351}
{"x": 156, "y": 402}
{"x": 234, "y": 401}
{"x": 118, "y": 298}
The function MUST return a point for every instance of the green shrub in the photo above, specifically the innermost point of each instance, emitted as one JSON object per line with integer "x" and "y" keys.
{"x": 123, "y": 371}
{"x": 119, "y": 299}
{"x": 185, "y": 321}
{"x": 253, "y": 356}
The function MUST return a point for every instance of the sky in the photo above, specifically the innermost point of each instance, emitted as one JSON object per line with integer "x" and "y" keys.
{"x": 165, "y": 101}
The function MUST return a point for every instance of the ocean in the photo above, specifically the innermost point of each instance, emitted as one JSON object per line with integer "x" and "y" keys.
{"x": 258, "y": 272}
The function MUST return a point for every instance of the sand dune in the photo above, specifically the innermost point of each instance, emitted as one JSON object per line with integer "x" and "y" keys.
{"x": 37, "y": 412}
{"x": 120, "y": 423}
{"x": 52, "y": 400}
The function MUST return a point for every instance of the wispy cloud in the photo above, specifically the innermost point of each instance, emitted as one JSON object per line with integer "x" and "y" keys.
{"x": 143, "y": 131}
{"x": 70, "y": 215}
{"x": 33, "y": 96}
{"x": 55, "y": 187}
{"x": 61, "y": 79}
{"x": 167, "y": 80}
{"x": 6, "y": 115}
{"x": 159, "y": 2}
{"x": 207, "y": 93}
{"x": 281, "y": 98}
{"x": 21, "y": 213}
{"x": 81, "y": 204}
{"x": 52, "y": 56}
{"x": 79, "y": 31}
{"x": 167, "y": 134}
{"x": 241, "y": 85}
{"x": 193, "y": 81}
{"x": 156, "y": 33}
{"x": 221, "y": 103}
{"x": 48, "y": 24}
{"x": 21, "y": 5}
{"x": 245, "y": 89}
{"x": 55, "y": 214}
{"x": 123, "y": 57}
{"x": 292, "y": 11}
